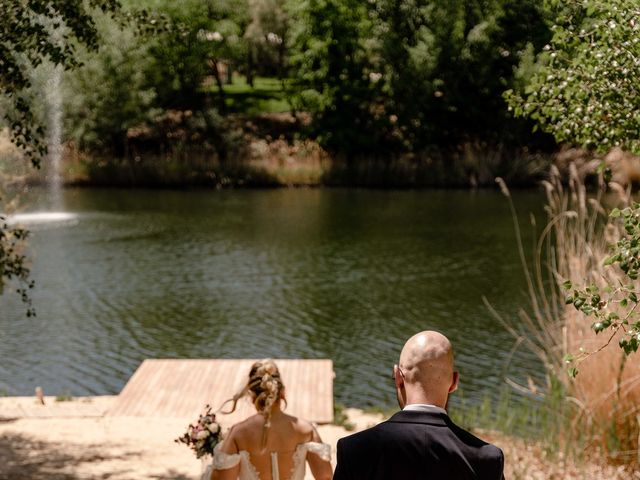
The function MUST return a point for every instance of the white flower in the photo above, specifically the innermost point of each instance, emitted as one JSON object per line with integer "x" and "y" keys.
{"x": 205, "y": 35}
{"x": 374, "y": 77}
{"x": 202, "y": 434}
{"x": 214, "y": 428}
{"x": 274, "y": 38}
{"x": 213, "y": 36}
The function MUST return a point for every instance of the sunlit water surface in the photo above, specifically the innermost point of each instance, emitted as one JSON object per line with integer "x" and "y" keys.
{"x": 343, "y": 274}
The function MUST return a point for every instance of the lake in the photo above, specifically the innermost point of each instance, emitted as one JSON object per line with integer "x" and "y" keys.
{"x": 309, "y": 273}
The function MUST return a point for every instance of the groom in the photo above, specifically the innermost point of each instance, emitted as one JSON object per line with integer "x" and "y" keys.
{"x": 420, "y": 442}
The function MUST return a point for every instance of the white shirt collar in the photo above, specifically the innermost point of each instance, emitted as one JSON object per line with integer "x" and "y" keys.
{"x": 423, "y": 407}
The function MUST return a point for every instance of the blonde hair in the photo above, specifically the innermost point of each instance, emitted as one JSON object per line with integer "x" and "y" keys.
{"x": 266, "y": 388}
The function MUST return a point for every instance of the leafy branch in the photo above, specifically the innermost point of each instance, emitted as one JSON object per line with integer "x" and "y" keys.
{"x": 614, "y": 307}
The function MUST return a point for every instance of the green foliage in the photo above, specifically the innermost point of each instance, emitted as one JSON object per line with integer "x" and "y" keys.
{"x": 201, "y": 33}
{"x": 13, "y": 262}
{"x": 110, "y": 93}
{"x": 64, "y": 397}
{"x": 412, "y": 73}
{"x": 446, "y": 64}
{"x": 340, "y": 417}
{"x": 613, "y": 307}
{"x": 267, "y": 35}
{"x": 331, "y": 61}
{"x": 141, "y": 88}
{"x": 33, "y": 31}
{"x": 378, "y": 76}
{"x": 584, "y": 90}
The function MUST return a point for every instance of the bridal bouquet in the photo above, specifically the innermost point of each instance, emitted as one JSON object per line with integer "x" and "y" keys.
{"x": 204, "y": 435}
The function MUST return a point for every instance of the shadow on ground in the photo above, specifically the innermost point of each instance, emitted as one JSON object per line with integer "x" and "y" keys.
{"x": 23, "y": 458}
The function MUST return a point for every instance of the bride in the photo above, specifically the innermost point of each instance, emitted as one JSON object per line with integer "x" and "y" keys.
{"x": 269, "y": 445}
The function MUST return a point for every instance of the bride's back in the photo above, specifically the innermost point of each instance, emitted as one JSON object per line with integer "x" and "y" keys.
{"x": 283, "y": 438}
{"x": 270, "y": 445}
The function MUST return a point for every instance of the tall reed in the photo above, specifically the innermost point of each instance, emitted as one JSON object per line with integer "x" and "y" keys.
{"x": 602, "y": 404}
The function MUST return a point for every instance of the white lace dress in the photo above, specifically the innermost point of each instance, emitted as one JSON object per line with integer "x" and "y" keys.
{"x": 222, "y": 461}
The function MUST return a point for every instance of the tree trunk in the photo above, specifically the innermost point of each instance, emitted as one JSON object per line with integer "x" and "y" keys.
{"x": 222, "y": 106}
{"x": 281, "y": 61}
{"x": 229, "y": 72}
{"x": 250, "y": 67}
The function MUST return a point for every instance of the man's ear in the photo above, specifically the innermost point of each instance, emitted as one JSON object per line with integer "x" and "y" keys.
{"x": 398, "y": 379}
{"x": 454, "y": 382}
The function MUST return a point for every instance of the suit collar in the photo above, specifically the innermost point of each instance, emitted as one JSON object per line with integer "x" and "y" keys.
{"x": 423, "y": 407}
{"x": 428, "y": 418}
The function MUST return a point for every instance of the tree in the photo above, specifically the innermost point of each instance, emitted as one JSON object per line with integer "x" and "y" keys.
{"x": 202, "y": 34}
{"x": 335, "y": 75}
{"x": 585, "y": 90}
{"x": 446, "y": 64}
{"x": 267, "y": 35}
{"x": 111, "y": 92}
{"x": 410, "y": 74}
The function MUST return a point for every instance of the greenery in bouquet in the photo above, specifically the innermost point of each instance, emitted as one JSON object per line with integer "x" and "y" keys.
{"x": 203, "y": 436}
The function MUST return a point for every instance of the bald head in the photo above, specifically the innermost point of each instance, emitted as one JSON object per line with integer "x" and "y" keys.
{"x": 426, "y": 362}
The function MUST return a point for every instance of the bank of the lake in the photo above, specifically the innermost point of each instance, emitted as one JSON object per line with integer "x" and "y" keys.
{"x": 277, "y": 162}
{"x": 75, "y": 448}
{"x": 270, "y": 151}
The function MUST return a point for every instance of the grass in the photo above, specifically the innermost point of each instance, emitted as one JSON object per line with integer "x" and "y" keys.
{"x": 266, "y": 96}
{"x": 540, "y": 419}
{"x": 385, "y": 411}
{"x": 340, "y": 418}
{"x": 64, "y": 397}
{"x": 527, "y": 417}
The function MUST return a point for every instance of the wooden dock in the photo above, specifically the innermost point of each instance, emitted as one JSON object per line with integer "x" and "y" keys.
{"x": 177, "y": 388}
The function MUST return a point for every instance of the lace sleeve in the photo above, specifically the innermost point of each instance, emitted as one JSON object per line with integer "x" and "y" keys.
{"x": 321, "y": 449}
{"x": 223, "y": 461}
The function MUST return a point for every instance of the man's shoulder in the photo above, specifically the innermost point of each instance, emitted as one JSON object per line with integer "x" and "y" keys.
{"x": 484, "y": 449}
{"x": 364, "y": 436}
{"x": 472, "y": 440}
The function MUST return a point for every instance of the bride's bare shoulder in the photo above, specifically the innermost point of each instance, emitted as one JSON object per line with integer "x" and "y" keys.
{"x": 247, "y": 431}
{"x": 302, "y": 426}
{"x": 248, "y": 424}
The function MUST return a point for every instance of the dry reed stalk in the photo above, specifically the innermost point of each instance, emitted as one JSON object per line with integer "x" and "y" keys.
{"x": 608, "y": 386}
{"x": 573, "y": 246}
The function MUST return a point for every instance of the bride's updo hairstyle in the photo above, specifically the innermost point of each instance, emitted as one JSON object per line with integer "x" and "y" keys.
{"x": 265, "y": 388}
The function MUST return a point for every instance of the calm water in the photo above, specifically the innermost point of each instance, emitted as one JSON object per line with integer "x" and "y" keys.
{"x": 344, "y": 274}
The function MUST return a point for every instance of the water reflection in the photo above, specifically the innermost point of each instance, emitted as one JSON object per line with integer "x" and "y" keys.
{"x": 344, "y": 274}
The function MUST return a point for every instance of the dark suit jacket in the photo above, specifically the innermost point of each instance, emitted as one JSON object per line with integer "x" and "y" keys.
{"x": 417, "y": 446}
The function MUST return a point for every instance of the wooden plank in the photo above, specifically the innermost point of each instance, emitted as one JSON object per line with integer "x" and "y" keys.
{"x": 181, "y": 388}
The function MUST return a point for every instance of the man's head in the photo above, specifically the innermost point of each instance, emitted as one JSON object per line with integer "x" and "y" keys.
{"x": 425, "y": 373}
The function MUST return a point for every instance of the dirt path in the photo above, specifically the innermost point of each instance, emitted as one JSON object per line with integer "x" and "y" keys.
{"x": 67, "y": 447}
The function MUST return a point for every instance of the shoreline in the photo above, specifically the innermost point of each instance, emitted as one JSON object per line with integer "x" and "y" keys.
{"x": 283, "y": 161}
{"x": 73, "y": 439}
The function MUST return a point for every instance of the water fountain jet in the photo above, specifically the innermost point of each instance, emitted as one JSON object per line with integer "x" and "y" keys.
{"x": 55, "y": 213}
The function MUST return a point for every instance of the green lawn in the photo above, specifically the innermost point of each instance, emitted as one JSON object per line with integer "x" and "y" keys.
{"x": 266, "y": 95}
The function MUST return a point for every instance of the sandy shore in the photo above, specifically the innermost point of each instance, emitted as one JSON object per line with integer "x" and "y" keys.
{"x": 72, "y": 440}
